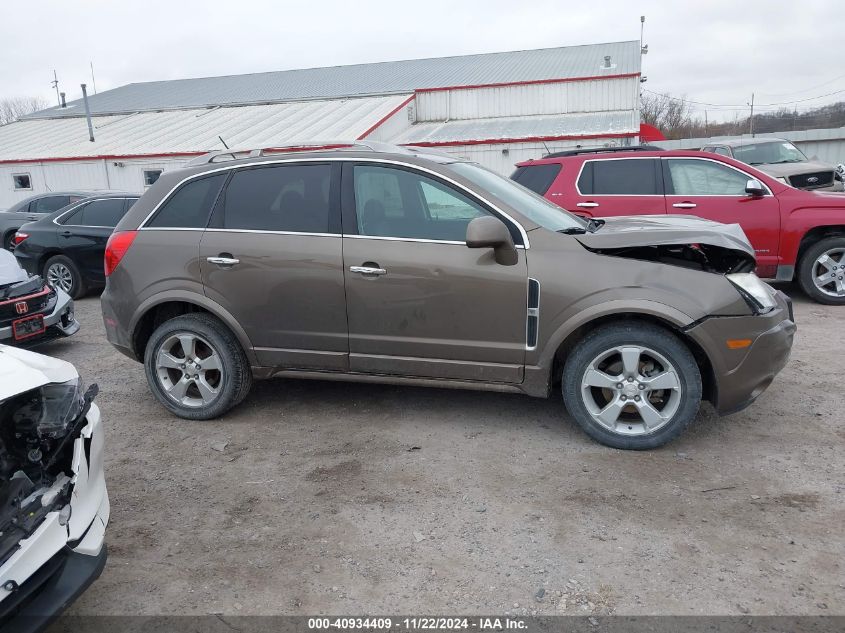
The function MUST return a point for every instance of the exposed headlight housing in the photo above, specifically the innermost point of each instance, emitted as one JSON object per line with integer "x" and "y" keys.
{"x": 757, "y": 294}
{"x": 60, "y": 404}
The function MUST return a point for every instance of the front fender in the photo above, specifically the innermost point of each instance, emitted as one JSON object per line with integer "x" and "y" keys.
{"x": 578, "y": 316}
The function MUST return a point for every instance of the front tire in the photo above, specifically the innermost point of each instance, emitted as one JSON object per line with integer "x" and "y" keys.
{"x": 632, "y": 385}
{"x": 821, "y": 271}
{"x": 196, "y": 367}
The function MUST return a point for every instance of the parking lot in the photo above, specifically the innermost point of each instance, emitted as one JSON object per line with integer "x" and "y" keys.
{"x": 324, "y": 497}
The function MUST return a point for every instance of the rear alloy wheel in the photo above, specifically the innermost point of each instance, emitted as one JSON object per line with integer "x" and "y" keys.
{"x": 61, "y": 272}
{"x": 821, "y": 271}
{"x": 632, "y": 385}
{"x": 196, "y": 367}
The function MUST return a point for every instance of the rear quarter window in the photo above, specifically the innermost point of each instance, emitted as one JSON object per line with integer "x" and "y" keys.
{"x": 190, "y": 206}
{"x": 537, "y": 178}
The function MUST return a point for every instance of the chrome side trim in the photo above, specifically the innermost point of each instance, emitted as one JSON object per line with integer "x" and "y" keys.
{"x": 326, "y": 159}
{"x": 532, "y": 317}
{"x": 263, "y": 232}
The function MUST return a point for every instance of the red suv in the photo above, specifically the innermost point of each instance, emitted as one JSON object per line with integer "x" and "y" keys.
{"x": 796, "y": 234}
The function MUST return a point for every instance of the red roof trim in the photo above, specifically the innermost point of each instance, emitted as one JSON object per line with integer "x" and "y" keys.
{"x": 533, "y": 82}
{"x": 384, "y": 119}
{"x": 57, "y": 159}
{"x": 526, "y": 139}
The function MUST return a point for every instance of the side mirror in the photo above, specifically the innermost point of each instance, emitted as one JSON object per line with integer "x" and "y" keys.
{"x": 490, "y": 232}
{"x": 754, "y": 188}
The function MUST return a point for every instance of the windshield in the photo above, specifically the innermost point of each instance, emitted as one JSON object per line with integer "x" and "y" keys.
{"x": 769, "y": 153}
{"x": 534, "y": 207}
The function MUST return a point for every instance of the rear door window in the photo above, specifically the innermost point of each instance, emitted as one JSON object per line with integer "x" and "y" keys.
{"x": 537, "y": 178}
{"x": 621, "y": 177}
{"x": 285, "y": 198}
{"x": 191, "y": 205}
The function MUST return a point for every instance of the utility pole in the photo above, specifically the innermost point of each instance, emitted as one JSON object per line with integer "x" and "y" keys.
{"x": 55, "y": 84}
{"x": 705, "y": 125}
{"x": 751, "y": 120}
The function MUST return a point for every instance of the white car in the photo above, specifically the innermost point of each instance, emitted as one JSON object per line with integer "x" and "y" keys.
{"x": 54, "y": 506}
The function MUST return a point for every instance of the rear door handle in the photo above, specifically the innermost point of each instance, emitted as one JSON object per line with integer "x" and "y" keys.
{"x": 367, "y": 270}
{"x": 684, "y": 205}
{"x": 65, "y": 233}
{"x": 33, "y": 217}
{"x": 587, "y": 205}
{"x": 223, "y": 261}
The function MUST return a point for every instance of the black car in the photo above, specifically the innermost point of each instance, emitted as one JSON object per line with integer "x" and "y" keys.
{"x": 67, "y": 247}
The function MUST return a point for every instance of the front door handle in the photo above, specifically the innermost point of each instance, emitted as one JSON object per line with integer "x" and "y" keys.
{"x": 587, "y": 205}
{"x": 367, "y": 270}
{"x": 224, "y": 259}
{"x": 33, "y": 217}
{"x": 684, "y": 205}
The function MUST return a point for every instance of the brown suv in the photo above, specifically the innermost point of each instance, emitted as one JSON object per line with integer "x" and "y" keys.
{"x": 397, "y": 265}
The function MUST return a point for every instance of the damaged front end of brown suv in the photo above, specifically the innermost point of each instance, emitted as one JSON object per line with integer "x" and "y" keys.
{"x": 360, "y": 262}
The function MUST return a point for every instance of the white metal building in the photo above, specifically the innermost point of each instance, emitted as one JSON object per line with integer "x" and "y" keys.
{"x": 496, "y": 108}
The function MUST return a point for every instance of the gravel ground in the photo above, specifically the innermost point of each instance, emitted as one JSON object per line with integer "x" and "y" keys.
{"x": 321, "y": 497}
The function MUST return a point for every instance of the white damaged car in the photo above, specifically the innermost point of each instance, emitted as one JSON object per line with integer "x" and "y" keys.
{"x": 54, "y": 506}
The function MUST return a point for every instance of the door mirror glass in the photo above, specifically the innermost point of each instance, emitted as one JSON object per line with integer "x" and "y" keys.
{"x": 754, "y": 187}
{"x": 490, "y": 232}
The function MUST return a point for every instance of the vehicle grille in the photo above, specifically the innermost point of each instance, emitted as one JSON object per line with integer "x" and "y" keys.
{"x": 813, "y": 180}
{"x": 40, "y": 302}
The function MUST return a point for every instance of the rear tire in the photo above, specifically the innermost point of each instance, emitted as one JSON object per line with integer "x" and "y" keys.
{"x": 632, "y": 385}
{"x": 61, "y": 272}
{"x": 7, "y": 240}
{"x": 824, "y": 260}
{"x": 196, "y": 367}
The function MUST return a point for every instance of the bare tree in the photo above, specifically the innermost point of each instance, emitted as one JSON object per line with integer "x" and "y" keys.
{"x": 13, "y": 108}
{"x": 671, "y": 115}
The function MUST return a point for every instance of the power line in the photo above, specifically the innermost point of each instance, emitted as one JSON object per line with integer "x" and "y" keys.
{"x": 742, "y": 105}
{"x": 795, "y": 92}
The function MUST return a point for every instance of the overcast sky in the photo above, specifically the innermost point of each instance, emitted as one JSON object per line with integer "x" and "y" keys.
{"x": 717, "y": 51}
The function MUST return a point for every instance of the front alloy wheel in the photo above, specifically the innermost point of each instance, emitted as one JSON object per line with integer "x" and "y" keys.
{"x": 631, "y": 390}
{"x": 631, "y": 385}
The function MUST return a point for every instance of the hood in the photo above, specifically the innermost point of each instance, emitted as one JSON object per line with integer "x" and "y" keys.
{"x": 21, "y": 371}
{"x": 675, "y": 240}
{"x": 666, "y": 230}
{"x": 779, "y": 170}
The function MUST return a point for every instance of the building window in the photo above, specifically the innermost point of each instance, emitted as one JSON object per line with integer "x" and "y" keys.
{"x": 150, "y": 176}
{"x": 22, "y": 182}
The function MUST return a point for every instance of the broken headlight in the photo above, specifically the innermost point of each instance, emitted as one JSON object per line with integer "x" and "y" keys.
{"x": 756, "y": 293}
{"x": 52, "y": 408}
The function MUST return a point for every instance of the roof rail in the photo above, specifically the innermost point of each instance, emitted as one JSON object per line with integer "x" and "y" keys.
{"x": 602, "y": 150}
{"x": 222, "y": 155}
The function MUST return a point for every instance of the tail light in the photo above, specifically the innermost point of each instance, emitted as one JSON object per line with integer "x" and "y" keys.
{"x": 18, "y": 238}
{"x": 116, "y": 248}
